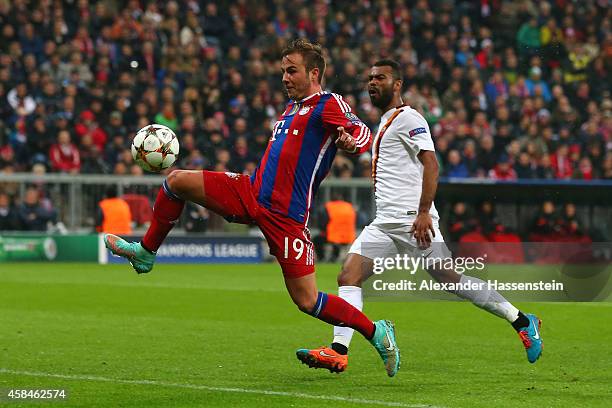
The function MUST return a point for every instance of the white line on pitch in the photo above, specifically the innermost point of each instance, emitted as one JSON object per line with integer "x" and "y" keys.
{"x": 217, "y": 389}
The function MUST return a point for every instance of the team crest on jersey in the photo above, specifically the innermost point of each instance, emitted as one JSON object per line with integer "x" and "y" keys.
{"x": 417, "y": 131}
{"x": 293, "y": 110}
{"x": 232, "y": 175}
{"x": 304, "y": 110}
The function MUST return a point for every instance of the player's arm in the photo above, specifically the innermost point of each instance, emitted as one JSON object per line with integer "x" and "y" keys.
{"x": 417, "y": 137}
{"x": 353, "y": 135}
{"x": 423, "y": 223}
{"x": 430, "y": 179}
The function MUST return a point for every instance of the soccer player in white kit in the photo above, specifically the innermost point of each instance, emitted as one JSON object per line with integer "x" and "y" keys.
{"x": 405, "y": 177}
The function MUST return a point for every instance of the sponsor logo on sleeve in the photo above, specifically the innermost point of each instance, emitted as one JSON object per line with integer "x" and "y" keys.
{"x": 417, "y": 131}
{"x": 352, "y": 118}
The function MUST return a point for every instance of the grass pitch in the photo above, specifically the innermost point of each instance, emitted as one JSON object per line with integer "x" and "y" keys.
{"x": 225, "y": 335}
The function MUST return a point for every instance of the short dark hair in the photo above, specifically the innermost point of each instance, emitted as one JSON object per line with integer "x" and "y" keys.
{"x": 111, "y": 191}
{"x": 395, "y": 67}
{"x": 310, "y": 51}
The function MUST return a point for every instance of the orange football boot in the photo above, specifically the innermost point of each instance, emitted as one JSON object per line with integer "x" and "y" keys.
{"x": 323, "y": 357}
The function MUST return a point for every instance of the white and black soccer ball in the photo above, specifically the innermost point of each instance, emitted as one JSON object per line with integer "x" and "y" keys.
{"x": 155, "y": 148}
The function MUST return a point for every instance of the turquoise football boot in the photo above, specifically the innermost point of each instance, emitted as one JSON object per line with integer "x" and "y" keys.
{"x": 532, "y": 340}
{"x": 142, "y": 260}
{"x": 384, "y": 342}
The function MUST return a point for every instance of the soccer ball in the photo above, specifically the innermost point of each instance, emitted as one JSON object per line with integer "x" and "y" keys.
{"x": 155, "y": 148}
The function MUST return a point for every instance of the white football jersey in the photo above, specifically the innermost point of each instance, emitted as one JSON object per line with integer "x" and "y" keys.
{"x": 396, "y": 170}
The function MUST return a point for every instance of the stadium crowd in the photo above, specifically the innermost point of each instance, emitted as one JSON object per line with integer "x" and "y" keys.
{"x": 511, "y": 89}
{"x": 552, "y": 222}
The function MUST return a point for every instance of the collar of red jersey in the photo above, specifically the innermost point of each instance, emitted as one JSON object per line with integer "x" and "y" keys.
{"x": 308, "y": 97}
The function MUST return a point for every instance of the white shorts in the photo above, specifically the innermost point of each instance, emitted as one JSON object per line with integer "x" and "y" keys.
{"x": 385, "y": 238}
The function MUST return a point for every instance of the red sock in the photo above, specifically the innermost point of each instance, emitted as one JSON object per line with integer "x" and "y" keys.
{"x": 339, "y": 312}
{"x": 166, "y": 211}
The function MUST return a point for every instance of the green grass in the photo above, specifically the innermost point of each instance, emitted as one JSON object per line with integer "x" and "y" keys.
{"x": 196, "y": 330}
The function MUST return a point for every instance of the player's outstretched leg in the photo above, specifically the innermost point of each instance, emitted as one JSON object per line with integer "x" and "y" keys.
{"x": 323, "y": 357}
{"x": 384, "y": 342}
{"x": 336, "y": 311}
{"x": 353, "y": 271}
{"x": 141, "y": 259}
{"x": 526, "y": 325}
{"x": 531, "y": 338}
{"x": 180, "y": 185}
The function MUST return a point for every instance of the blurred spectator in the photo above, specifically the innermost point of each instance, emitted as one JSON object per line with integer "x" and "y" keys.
{"x": 487, "y": 219}
{"x": 64, "y": 155}
{"x": 167, "y": 117}
{"x": 456, "y": 167}
{"x": 338, "y": 223}
{"x": 503, "y": 170}
{"x": 89, "y": 126}
{"x": 496, "y": 87}
{"x": 460, "y": 222}
{"x": 561, "y": 163}
{"x": 113, "y": 214}
{"x": 528, "y": 37}
{"x": 32, "y": 214}
{"x": 525, "y": 167}
{"x": 545, "y": 169}
{"x": 584, "y": 171}
{"x": 570, "y": 224}
{"x": 536, "y": 86}
{"x": 22, "y": 103}
{"x": 92, "y": 161}
{"x": 470, "y": 157}
{"x": 486, "y": 154}
{"x": 547, "y": 224}
{"x": 114, "y": 149}
{"x": 8, "y": 217}
{"x": 40, "y": 139}
{"x": 115, "y": 126}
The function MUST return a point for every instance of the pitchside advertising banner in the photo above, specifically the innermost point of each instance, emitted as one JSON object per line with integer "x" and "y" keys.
{"x": 59, "y": 248}
{"x": 90, "y": 248}
{"x": 202, "y": 250}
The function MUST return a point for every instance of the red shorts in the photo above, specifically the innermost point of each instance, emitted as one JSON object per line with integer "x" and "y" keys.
{"x": 231, "y": 196}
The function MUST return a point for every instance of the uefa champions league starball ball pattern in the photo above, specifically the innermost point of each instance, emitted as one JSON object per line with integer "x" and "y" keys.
{"x": 155, "y": 148}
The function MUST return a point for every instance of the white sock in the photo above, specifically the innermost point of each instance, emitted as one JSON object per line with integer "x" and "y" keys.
{"x": 489, "y": 300}
{"x": 352, "y": 294}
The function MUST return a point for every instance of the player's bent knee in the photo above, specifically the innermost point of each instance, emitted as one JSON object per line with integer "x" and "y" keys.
{"x": 349, "y": 277}
{"x": 353, "y": 272}
{"x": 185, "y": 184}
{"x": 306, "y": 304}
{"x": 175, "y": 180}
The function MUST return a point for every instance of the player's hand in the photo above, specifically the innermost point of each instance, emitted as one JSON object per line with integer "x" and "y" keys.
{"x": 345, "y": 141}
{"x": 420, "y": 229}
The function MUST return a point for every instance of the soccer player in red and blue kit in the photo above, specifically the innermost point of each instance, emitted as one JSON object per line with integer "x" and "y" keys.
{"x": 278, "y": 197}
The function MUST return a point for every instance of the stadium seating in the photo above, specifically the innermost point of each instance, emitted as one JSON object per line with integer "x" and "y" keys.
{"x": 198, "y": 69}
